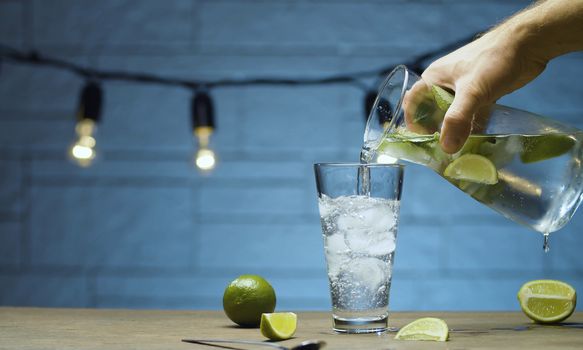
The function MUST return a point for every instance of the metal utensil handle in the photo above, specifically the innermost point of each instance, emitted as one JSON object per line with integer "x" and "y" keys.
{"x": 252, "y": 342}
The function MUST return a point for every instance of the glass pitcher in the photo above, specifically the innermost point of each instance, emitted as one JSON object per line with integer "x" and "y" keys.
{"x": 524, "y": 166}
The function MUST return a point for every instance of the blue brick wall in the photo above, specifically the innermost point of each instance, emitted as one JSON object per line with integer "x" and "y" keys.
{"x": 141, "y": 229}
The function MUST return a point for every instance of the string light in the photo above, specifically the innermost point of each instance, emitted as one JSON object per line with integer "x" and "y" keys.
{"x": 203, "y": 125}
{"x": 350, "y": 78}
{"x": 83, "y": 150}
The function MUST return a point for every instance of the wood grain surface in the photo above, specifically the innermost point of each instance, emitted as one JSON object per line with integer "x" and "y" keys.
{"x": 46, "y": 328}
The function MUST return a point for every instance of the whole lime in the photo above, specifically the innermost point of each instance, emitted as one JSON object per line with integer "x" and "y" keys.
{"x": 246, "y": 298}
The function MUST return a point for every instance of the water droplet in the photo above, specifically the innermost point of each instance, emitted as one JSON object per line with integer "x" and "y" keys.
{"x": 546, "y": 246}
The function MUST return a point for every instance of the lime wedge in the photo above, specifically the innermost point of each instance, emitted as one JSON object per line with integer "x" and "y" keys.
{"x": 409, "y": 146}
{"x": 405, "y": 150}
{"x": 427, "y": 328}
{"x": 473, "y": 168}
{"x": 442, "y": 97}
{"x": 278, "y": 325}
{"x": 537, "y": 148}
{"x": 547, "y": 301}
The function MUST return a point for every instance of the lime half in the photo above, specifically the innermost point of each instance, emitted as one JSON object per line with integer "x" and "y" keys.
{"x": 547, "y": 301}
{"x": 442, "y": 97}
{"x": 278, "y": 325}
{"x": 473, "y": 168}
{"x": 427, "y": 328}
{"x": 537, "y": 148}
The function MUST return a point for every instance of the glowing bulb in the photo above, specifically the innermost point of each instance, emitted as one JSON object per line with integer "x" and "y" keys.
{"x": 205, "y": 159}
{"x": 386, "y": 159}
{"x": 82, "y": 154}
{"x": 82, "y": 151}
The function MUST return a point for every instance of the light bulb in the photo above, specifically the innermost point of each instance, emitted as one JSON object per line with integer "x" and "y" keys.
{"x": 82, "y": 151}
{"x": 205, "y": 159}
{"x": 386, "y": 159}
{"x": 203, "y": 126}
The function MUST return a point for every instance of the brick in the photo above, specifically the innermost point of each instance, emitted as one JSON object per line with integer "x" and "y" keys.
{"x": 306, "y": 26}
{"x": 124, "y": 125}
{"x": 107, "y": 168}
{"x": 39, "y": 289}
{"x": 339, "y": 155}
{"x": 295, "y": 119}
{"x": 472, "y": 294}
{"x": 419, "y": 248}
{"x": 260, "y": 170}
{"x": 128, "y": 106}
{"x": 10, "y": 243}
{"x": 229, "y": 116}
{"x": 198, "y": 292}
{"x": 153, "y": 302}
{"x": 297, "y": 293}
{"x": 553, "y": 92}
{"x": 261, "y": 247}
{"x": 111, "y": 227}
{"x": 223, "y": 65}
{"x": 485, "y": 247}
{"x": 168, "y": 286}
{"x": 352, "y": 121}
{"x": 465, "y": 18}
{"x": 168, "y": 292}
{"x": 41, "y": 136}
{"x": 564, "y": 255}
{"x": 237, "y": 110}
{"x": 225, "y": 199}
{"x": 91, "y": 26}
{"x": 39, "y": 93}
{"x": 11, "y": 23}
{"x": 157, "y": 235}
{"x": 11, "y": 187}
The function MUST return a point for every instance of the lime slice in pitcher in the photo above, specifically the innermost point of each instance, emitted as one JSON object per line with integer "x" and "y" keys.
{"x": 405, "y": 150}
{"x": 473, "y": 168}
{"x": 541, "y": 147}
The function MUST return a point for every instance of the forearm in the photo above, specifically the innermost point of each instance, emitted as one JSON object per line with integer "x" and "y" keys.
{"x": 546, "y": 29}
{"x": 504, "y": 59}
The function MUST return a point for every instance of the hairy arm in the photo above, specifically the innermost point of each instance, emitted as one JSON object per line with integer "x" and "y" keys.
{"x": 504, "y": 59}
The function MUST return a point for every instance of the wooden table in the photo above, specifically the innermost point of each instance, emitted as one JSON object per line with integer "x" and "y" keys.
{"x": 43, "y": 328}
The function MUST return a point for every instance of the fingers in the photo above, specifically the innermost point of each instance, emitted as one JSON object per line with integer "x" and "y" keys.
{"x": 458, "y": 121}
{"x": 412, "y": 100}
{"x": 480, "y": 121}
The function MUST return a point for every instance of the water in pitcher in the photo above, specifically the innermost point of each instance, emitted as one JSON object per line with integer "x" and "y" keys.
{"x": 531, "y": 179}
{"x": 526, "y": 167}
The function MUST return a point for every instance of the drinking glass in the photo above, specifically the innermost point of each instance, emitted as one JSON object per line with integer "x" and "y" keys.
{"x": 359, "y": 213}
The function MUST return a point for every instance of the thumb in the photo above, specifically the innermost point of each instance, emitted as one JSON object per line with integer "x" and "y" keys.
{"x": 458, "y": 121}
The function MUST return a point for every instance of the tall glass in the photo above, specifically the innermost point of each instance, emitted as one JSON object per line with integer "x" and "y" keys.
{"x": 359, "y": 213}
